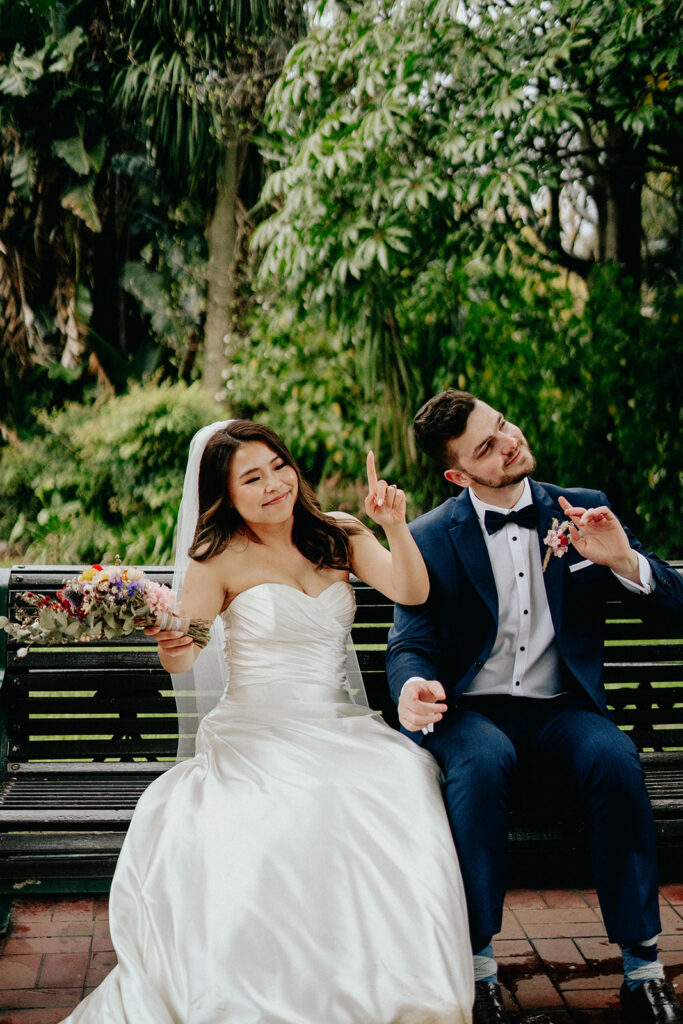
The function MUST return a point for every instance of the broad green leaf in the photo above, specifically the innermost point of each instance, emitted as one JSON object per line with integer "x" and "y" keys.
{"x": 30, "y": 67}
{"x": 73, "y": 152}
{"x": 66, "y": 49}
{"x": 81, "y": 201}
{"x": 23, "y": 172}
{"x": 46, "y": 619}
{"x": 12, "y": 82}
{"x": 97, "y": 153}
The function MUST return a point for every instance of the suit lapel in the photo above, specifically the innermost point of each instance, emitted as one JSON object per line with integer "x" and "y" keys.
{"x": 553, "y": 577}
{"x": 466, "y": 537}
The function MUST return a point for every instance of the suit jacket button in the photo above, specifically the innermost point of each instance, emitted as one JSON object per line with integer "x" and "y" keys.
{"x": 478, "y": 664}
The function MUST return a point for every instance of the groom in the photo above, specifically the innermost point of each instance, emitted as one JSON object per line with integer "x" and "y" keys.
{"x": 505, "y": 658}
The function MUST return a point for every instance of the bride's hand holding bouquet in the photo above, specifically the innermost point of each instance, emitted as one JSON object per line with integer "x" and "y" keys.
{"x": 101, "y": 604}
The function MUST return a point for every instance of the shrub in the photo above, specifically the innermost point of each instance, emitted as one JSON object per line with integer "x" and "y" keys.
{"x": 102, "y": 479}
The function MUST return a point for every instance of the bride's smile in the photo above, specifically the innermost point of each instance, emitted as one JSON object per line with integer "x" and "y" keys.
{"x": 280, "y": 498}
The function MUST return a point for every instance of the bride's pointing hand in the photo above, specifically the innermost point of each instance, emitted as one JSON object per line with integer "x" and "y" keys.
{"x": 385, "y": 503}
{"x": 399, "y": 572}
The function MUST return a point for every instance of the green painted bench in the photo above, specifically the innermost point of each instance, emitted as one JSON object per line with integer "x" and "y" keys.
{"x": 84, "y": 729}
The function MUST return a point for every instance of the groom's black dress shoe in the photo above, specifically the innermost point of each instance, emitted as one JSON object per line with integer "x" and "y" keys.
{"x": 488, "y": 1005}
{"x": 653, "y": 1002}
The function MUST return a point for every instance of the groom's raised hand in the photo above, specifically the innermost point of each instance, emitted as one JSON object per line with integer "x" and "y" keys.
{"x": 385, "y": 503}
{"x": 597, "y": 534}
{"x": 417, "y": 705}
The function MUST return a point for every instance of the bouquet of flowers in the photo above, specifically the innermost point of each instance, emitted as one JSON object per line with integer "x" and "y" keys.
{"x": 100, "y": 603}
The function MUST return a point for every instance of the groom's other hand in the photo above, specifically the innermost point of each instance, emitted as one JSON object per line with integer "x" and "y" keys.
{"x": 597, "y": 534}
{"x": 417, "y": 705}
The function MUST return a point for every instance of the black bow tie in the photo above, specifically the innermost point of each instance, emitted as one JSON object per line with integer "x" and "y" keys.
{"x": 527, "y": 516}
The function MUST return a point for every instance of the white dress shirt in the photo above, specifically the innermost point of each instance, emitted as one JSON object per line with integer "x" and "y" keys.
{"x": 524, "y": 661}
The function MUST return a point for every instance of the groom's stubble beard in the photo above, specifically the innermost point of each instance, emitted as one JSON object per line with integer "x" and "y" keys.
{"x": 509, "y": 479}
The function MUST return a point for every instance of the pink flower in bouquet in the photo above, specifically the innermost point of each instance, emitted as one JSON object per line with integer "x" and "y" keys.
{"x": 159, "y": 598}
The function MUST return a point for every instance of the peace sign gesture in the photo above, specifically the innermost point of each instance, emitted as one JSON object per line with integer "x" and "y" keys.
{"x": 385, "y": 503}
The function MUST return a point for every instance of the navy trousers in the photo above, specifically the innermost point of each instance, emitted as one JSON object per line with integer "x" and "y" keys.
{"x": 477, "y": 746}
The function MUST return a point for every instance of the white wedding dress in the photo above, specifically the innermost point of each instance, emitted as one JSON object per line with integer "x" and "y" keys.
{"x": 300, "y": 868}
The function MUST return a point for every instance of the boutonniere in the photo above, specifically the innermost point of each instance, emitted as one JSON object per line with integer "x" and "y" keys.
{"x": 556, "y": 540}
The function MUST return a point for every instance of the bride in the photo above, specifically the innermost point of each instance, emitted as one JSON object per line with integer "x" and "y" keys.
{"x": 299, "y": 868}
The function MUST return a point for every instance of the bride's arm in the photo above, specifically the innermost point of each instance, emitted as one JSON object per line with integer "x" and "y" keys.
{"x": 400, "y": 573}
{"x": 203, "y": 597}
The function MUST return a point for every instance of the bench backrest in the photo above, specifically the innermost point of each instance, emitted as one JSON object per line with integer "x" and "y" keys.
{"x": 97, "y": 701}
{"x": 113, "y": 701}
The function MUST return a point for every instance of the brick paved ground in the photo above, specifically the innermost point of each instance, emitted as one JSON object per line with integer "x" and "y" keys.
{"x": 556, "y": 962}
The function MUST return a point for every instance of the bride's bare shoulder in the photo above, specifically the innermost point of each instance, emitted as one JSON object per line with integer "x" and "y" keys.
{"x": 222, "y": 564}
{"x": 204, "y": 587}
{"x": 229, "y": 568}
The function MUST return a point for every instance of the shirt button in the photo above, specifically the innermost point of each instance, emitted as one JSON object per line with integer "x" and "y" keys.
{"x": 526, "y": 611}
{"x": 522, "y": 648}
{"x": 520, "y": 574}
{"x": 517, "y": 683}
{"x": 514, "y": 538}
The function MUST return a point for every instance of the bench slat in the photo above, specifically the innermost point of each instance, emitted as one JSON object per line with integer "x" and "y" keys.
{"x": 60, "y": 660}
{"x": 102, "y": 726}
{"x": 74, "y": 750}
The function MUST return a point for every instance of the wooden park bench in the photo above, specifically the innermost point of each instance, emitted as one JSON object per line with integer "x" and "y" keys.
{"x": 84, "y": 730}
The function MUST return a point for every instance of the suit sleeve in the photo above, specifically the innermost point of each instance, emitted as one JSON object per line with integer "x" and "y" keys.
{"x": 667, "y": 596}
{"x": 412, "y": 649}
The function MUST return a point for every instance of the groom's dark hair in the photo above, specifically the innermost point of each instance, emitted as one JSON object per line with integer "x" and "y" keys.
{"x": 440, "y": 420}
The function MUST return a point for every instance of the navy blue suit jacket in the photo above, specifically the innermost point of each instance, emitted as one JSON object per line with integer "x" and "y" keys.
{"x": 451, "y": 636}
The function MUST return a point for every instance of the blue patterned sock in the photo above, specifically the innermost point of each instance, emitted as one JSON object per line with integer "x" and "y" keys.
{"x": 485, "y": 966}
{"x": 641, "y": 962}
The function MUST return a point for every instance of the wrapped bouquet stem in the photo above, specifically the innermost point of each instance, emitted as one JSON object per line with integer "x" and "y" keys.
{"x": 101, "y": 603}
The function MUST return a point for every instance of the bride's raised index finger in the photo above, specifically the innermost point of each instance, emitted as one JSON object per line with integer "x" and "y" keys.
{"x": 372, "y": 472}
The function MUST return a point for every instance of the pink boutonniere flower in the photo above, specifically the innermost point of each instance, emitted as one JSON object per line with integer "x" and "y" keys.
{"x": 556, "y": 540}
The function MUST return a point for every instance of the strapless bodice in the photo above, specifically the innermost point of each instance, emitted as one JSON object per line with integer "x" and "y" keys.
{"x": 284, "y": 640}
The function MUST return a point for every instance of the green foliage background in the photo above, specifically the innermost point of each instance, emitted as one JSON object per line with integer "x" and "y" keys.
{"x": 103, "y": 478}
{"x": 401, "y": 248}
{"x": 422, "y": 156}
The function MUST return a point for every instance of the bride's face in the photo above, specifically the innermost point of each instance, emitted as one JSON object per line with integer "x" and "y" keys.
{"x": 262, "y": 486}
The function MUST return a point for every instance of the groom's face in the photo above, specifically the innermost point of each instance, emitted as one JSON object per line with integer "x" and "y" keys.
{"x": 491, "y": 453}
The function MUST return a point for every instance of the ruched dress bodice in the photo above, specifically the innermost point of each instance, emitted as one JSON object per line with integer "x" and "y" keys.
{"x": 300, "y": 868}
{"x": 289, "y": 643}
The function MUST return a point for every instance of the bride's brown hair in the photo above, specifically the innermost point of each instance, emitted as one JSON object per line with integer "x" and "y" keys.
{"x": 321, "y": 540}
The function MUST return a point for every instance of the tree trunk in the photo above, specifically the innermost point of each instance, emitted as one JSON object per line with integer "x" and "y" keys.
{"x": 618, "y": 196}
{"x": 221, "y": 235}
